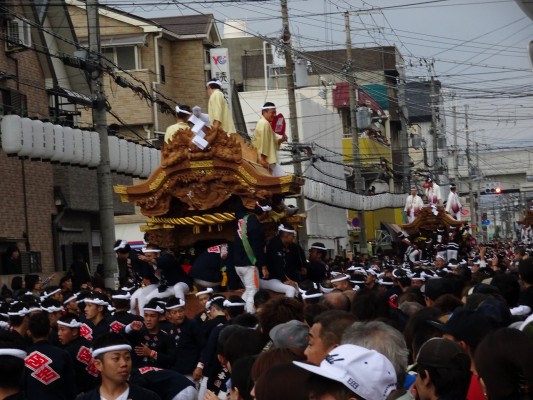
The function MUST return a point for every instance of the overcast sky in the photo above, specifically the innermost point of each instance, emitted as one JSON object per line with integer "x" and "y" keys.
{"x": 479, "y": 47}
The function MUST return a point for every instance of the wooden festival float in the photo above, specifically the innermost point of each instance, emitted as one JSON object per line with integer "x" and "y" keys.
{"x": 429, "y": 219}
{"x": 192, "y": 196}
{"x": 527, "y": 221}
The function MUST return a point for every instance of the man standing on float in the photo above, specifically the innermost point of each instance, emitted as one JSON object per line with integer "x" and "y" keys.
{"x": 267, "y": 142}
{"x": 218, "y": 109}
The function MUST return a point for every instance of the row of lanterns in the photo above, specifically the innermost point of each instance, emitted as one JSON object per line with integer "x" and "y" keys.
{"x": 45, "y": 141}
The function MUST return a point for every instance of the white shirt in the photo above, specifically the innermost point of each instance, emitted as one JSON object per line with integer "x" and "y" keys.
{"x": 453, "y": 202}
{"x": 413, "y": 203}
{"x": 123, "y": 396}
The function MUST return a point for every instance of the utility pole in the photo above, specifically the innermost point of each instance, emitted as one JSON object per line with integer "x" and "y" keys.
{"x": 356, "y": 160}
{"x": 293, "y": 120}
{"x": 478, "y": 189}
{"x": 469, "y": 164}
{"x": 455, "y": 146}
{"x": 404, "y": 139}
{"x": 434, "y": 130}
{"x": 103, "y": 172}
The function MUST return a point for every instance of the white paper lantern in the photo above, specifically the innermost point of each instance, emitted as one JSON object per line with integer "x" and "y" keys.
{"x": 11, "y": 134}
{"x": 132, "y": 158}
{"x": 154, "y": 160}
{"x": 48, "y": 131}
{"x": 27, "y": 138}
{"x": 37, "y": 139}
{"x": 87, "y": 149}
{"x": 78, "y": 147}
{"x": 68, "y": 137}
{"x": 123, "y": 156}
{"x": 95, "y": 150}
{"x": 59, "y": 144}
{"x": 139, "y": 162}
{"x": 146, "y": 162}
{"x": 114, "y": 153}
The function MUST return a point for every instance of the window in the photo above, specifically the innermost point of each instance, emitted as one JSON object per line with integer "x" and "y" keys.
{"x": 126, "y": 57}
{"x": 161, "y": 64}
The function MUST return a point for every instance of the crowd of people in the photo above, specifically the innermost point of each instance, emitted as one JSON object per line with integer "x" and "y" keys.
{"x": 290, "y": 325}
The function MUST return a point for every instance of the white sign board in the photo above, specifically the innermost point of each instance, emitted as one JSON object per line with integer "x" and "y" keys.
{"x": 220, "y": 70}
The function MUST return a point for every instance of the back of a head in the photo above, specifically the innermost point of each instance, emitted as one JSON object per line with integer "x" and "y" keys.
{"x": 377, "y": 335}
{"x": 503, "y": 360}
{"x": 369, "y": 305}
{"x": 333, "y": 324}
{"x": 278, "y": 311}
{"x": 242, "y": 343}
{"x": 274, "y": 383}
{"x": 11, "y": 365}
{"x": 448, "y": 366}
{"x": 336, "y": 301}
{"x": 273, "y": 357}
{"x": 240, "y": 377}
{"x": 39, "y": 325}
{"x": 525, "y": 269}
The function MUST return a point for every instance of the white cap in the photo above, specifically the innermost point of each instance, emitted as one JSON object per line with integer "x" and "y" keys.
{"x": 367, "y": 373}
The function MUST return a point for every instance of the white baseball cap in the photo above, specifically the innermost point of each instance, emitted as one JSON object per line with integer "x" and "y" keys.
{"x": 365, "y": 372}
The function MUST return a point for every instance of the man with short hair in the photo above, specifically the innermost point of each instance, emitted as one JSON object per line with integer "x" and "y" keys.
{"x": 453, "y": 204}
{"x": 153, "y": 347}
{"x": 351, "y": 372}
{"x": 79, "y": 350}
{"x": 285, "y": 261}
{"x": 326, "y": 334}
{"x": 11, "y": 370}
{"x": 218, "y": 109}
{"x": 443, "y": 371}
{"x": 182, "y": 116}
{"x": 112, "y": 359}
{"x": 386, "y": 340}
{"x": 317, "y": 269}
{"x": 413, "y": 204}
{"x": 50, "y": 370}
{"x": 267, "y": 142}
{"x": 95, "y": 309}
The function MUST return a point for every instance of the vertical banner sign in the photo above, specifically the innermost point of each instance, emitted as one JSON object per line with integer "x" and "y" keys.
{"x": 220, "y": 70}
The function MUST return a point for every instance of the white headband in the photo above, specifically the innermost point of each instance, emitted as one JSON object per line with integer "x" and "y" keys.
{"x": 216, "y": 82}
{"x": 107, "y": 349}
{"x": 268, "y": 107}
{"x": 147, "y": 250}
{"x": 283, "y": 229}
{"x": 46, "y": 295}
{"x": 357, "y": 282}
{"x": 73, "y": 323}
{"x": 122, "y": 245}
{"x": 206, "y": 291}
{"x": 311, "y": 296}
{"x": 73, "y": 297}
{"x": 264, "y": 208}
{"x": 51, "y": 309}
{"x": 20, "y": 313}
{"x": 385, "y": 283}
{"x": 340, "y": 279}
{"x": 179, "y": 110}
{"x": 98, "y": 302}
{"x": 181, "y": 303}
{"x": 13, "y": 352}
{"x": 208, "y": 304}
{"x": 325, "y": 289}
{"x": 157, "y": 309}
{"x": 318, "y": 247}
{"x": 125, "y": 296}
{"x": 228, "y": 304}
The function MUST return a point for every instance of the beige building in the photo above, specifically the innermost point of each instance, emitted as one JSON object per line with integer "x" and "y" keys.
{"x": 169, "y": 55}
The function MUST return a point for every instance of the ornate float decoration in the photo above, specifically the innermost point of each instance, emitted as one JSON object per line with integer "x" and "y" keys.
{"x": 429, "y": 219}
{"x": 193, "y": 194}
{"x": 528, "y": 219}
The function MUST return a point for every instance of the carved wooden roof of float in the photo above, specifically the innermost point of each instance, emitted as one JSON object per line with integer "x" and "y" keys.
{"x": 193, "y": 186}
{"x": 428, "y": 221}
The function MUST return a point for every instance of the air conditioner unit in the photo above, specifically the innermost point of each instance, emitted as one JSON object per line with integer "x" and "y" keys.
{"x": 18, "y": 34}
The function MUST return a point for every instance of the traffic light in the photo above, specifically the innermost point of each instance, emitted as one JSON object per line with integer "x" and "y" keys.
{"x": 493, "y": 188}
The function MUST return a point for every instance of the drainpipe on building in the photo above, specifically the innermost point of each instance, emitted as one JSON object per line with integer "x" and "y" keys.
{"x": 157, "y": 81}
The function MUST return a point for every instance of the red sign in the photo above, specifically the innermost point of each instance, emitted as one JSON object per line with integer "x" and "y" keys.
{"x": 278, "y": 124}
